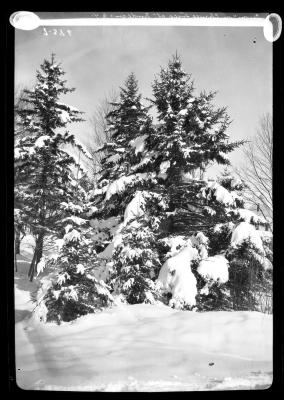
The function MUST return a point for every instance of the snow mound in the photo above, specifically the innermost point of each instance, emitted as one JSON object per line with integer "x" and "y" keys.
{"x": 214, "y": 268}
{"x": 176, "y": 277}
{"x": 146, "y": 348}
{"x": 245, "y": 231}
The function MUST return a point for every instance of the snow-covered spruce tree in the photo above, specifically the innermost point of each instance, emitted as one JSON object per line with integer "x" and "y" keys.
{"x": 44, "y": 167}
{"x": 127, "y": 125}
{"x": 74, "y": 290}
{"x": 135, "y": 260}
{"x": 124, "y": 201}
{"x": 192, "y": 133}
{"x": 237, "y": 269}
{"x": 225, "y": 263}
{"x": 191, "y": 136}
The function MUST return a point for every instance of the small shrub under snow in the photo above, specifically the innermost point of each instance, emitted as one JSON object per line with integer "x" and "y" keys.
{"x": 176, "y": 278}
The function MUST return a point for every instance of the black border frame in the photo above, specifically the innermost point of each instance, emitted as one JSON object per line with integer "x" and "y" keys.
{"x": 278, "y": 190}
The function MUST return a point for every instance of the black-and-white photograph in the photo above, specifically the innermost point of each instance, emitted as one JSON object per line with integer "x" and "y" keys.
{"x": 143, "y": 229}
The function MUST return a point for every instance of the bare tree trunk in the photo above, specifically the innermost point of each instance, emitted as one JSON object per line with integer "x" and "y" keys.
{"x": 37, "y": 256}
{"x": 32, "y": 266}
{"x": 17, "y": 240}
{"x": 15, "y": 258}
{"x": 40, "y": 247}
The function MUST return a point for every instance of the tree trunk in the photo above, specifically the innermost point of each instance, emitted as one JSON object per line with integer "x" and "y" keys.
{"x": 37, "y": 256}
{"x": 17, "y": 240}
{"x": 15, "y": 259}
{"x": 40, "y": 247}
{"x": 32, "y": 266}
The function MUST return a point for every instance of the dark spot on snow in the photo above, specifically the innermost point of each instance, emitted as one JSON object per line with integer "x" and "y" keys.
{"x": 254, "y": 40}
{"x": 211, "y": 364}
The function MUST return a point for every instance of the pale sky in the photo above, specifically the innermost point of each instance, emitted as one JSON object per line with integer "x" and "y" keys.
{"x": 236, "y": 62}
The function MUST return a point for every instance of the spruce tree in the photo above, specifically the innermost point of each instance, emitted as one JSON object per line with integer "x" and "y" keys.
{"x": 128, "y": 125}
{"x": 44, "y": 168}
{"x": 192, "y": 133}
{"x": 122, "y": 204}
{"x": 191, "y": 136}
{"x": 129, "y": 120}
{"x": 235, "y": 236}
{"x": 74, "y": 289}
{"x": 135, "y": 259}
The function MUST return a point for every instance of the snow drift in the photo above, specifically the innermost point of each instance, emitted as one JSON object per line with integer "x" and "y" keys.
{"x": 140, "y": 348}
{"x": 245, "y": 231}
{"x": 155, "y": 347}
{"x": 176, "y": 277}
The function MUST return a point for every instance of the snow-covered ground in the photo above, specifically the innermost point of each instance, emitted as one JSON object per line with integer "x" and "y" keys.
{"x": 140, "y": 348}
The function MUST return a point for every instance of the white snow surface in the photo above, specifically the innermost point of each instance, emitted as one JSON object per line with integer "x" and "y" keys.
{"x": 80, "y": 269}
{"x": 118, "y": 185}
{"x": 71, "y": 108}
{"x": 40, "y": 142}
{"x": 114, "y": 158}
{"x": 175, "y": 243}
{"x": 164, "y": 166}
{"x": 141, "y": 348}
{"x": 134, "y": 209}
{"x": 176, "y": 277}
{"x": 183, "y": 112}
{"x": 76, "y": 220}
{"x": 71, "y": 236}
{"x": 249, "y": 216}
{"x": 215, "y": 268}
{"x": 265, "y": 235}
{"x": 221, "y": 194}
{"x": 245, "y": 231}
{"x": 201, "y": 238}
{"x": 116, "y": 241}
{"x": 138, "y": 143}
{"x": 27, "y": 245}
{"x": 64, "y": 116}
